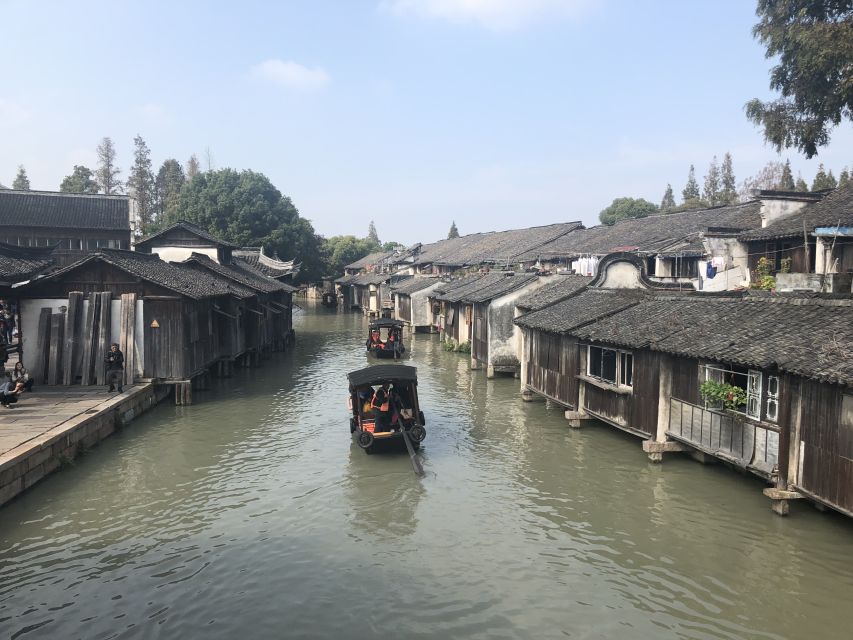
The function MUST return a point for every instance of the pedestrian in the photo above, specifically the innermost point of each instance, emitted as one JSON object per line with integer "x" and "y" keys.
{"x": 9, "y": 392}
{"x": 114, "y": 361}
{"x": 20, "y": 374}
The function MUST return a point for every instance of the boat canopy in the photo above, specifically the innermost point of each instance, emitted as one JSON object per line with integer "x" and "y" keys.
{"x": 382, "y": 373}
{"x": 380, "y": 323}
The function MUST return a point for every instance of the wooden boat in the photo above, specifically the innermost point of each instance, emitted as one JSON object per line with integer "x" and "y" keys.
{"x": 403, "y": 425}
{"x": 385, "y": 338}
{"x": 329, "y": 299}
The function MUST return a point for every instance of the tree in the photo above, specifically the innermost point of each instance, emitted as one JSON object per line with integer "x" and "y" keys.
{"x": 823, "y": 180}
{"x": 454, "y": 232}
{"x": 106, "y": 175}
{"x": 140, "y": 184}
{"x": 813, "y": 42}
{"x": 769, "y": 178}
{"x": 192, "y": 167}
{"x": 372, "y": 236}
{"x": 80, "y": 181}
{"x": 622, "y": 208}
{"x": 339, "y": 251}
{"x": 728, "y": 191}
{"x": 691, "y": 189}
{"x": 843, "y": 177}
{"x": 22, "y": 182}
{"x": 711, "y": 193}
{"x": 243, "y": 207}
{"x": 667, "y": 204}
{"x": 786, "y": 182}
{"x": 801, "y": 184}
{"x": 167, "y": 186}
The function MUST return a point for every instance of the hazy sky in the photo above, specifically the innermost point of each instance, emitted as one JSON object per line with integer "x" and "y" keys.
{"x": 493, "y": 113}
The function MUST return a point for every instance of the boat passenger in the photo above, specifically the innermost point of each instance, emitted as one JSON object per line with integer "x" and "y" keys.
{"x": 381, "y": 404}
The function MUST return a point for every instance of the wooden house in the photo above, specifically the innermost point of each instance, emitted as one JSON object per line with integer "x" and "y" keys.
{"x": 455, "y": 317}
{"x": 180, "y": 240}
{"x": 173, "y": 323}
{"x": 411, "y": 301}
{"x": 73, "y": 223}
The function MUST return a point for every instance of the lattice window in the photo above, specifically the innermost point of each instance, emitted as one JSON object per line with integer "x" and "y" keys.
{"x": 771, "y": 410}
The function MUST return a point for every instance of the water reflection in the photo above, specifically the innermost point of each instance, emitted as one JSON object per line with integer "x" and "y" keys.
{"x": 252, "y": 514}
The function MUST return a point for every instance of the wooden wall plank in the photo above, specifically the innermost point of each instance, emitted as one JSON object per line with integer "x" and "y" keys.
{"x": 73, "y": 320}
{"x": 57, "y": 346}
{"x": 39, "y": 366}
{"x": 103, "y": 336}
{"x": 87, "y": 365}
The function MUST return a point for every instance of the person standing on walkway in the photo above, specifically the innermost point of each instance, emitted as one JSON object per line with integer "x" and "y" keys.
{"x": 115, "y": 368}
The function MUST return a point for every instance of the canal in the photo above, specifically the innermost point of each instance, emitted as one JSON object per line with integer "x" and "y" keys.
{"x": 251, "y": 515}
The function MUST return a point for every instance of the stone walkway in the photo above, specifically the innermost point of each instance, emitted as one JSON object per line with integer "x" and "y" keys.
{"x": 48, "y": 408}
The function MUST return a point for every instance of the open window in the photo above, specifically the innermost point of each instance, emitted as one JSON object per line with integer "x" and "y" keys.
{"x": 610, "y": 365}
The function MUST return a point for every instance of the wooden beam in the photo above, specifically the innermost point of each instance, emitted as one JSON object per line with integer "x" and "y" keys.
{"x": 57, "y": 345}
{"x": 103, "y": 336}
{"x": 73, "y": 319}
{"x": 40, "y": 364}
{"x": 127, "y": 341}
{"x": 87, "y": 366}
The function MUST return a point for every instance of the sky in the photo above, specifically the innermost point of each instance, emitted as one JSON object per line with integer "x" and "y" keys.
{"x": 495, "y": 114}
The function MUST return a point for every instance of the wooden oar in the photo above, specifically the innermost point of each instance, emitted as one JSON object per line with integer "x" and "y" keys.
{"x": 416, "y": 463}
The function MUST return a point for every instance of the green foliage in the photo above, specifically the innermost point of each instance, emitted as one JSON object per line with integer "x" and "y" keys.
{"x": 691, "y": 189}
{"x": 245, "y": 208}
{"x": 22, "y": 182}
{"x": 667, "y": 204}
{"x": 192, "y": 167}
{"x": 722, "y": 394}
{"x": 728, "y": 187}
{"x": 80, "y": 181}
{"x": 140, "y": 184}
{"x": 787, "y": 183}
{"x": 456, "y": 347}
{"x": 107, "y": 173}
{"x": 785, "y": 265}
{"x": 449, "y": 345}
{"x": 338, "y": 251}
{"x": 812, "y": 40}
{"x": 711, "y": 193}
{"x": 823, "y": 180}
{"x": 454, "y": 232}
{"x": 372, "y": 235}
{"x": 801, "y": 184}
{"x": 843, "y": 177}
{"x": 167, "y": 187}
{"x": 622, "y": 208}
{"x": 762, "y": 278}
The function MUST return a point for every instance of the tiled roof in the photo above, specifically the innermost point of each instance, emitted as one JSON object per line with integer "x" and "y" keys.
{"x": 64, "y": 210}
{"x": 364, "y": 279}
{"x": 21, "y": 263}
{"x": 413, "y": 285}
{"x": 651, "y": 234}
{"x": 559, "y": 289}
{"x": 370, "y": 260}
{"x": 501, "y": 287}
{"x": 179, "y": 278}
{"x": 808, "y": 336}
{"x": 272, "y": 267}
{"x": 497, "y": 247}
{"x": 470, "y": 286}
{"x": 240, "y": 273}
{"x": 835, "y": 209}
{"x": 580, "y": 309}
{"x": 189, "y": 227}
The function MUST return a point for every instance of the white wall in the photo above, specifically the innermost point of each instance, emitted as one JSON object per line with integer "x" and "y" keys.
{"x": 421, "y": 308}
{"x": 622, "y": 275}
{"x": 179, "y": 254}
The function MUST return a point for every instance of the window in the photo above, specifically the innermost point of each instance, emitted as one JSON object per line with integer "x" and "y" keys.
{"x": 610, "y": 365}
{"x": 753, "y": 384}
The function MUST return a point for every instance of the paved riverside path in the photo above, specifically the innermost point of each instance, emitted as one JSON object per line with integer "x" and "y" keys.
{"x": 49, "y": 408}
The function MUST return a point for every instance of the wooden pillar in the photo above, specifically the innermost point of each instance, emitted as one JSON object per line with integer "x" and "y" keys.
{"x": 71, "y": 348}
{"x": 57, "y": 345}
{"x": 102, "y": 336}
{"x": 41, "y": 364}
{"x": 127, "y": 338}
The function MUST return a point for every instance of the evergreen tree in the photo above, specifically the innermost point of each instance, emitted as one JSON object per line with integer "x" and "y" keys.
{"x": 843, "y": 177}
{"x": 712, "y": 183}
{"x": 691, "y": 190}
{"x": 106, "y": 175}
{"x": 728, "y": 192}
{"x": 801, "y": 184}
{"x": 167, "y": 186}
{"x": 80, "y": 181}
{"x": 787, "y": 181}
{"x": 822, "y": 180}
{"x": 454, "y": 232}
{"x": 140, "y": 184}
{"x": 192, "y": 167}
{"x": 372, "y": 236}
{"x": 22, "y": 182}
{"x": 668, "y": 202}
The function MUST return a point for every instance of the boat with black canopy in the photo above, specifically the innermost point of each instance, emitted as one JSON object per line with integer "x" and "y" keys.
{"x": 384, "y": 407}
{"x": 385, "y": 338}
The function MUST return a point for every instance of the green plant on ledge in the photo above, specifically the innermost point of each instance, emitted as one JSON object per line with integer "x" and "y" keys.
{"x": 464, "y": 347}
{"x": 721, "y": 393}
{"x": 451, "y": 345}
{"x": 763, "y": 279}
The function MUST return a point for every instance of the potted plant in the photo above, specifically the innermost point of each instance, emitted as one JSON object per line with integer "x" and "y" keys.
{"x": 722, "y": 394}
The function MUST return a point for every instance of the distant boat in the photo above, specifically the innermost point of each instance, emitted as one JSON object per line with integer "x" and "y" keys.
{"x": 385, "y": 338}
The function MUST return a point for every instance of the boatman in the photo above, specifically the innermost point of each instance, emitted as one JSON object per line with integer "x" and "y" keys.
{"x": 381, "y": 404}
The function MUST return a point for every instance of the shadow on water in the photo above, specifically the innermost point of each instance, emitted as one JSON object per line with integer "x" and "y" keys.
{"x": 251, "y": 513}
